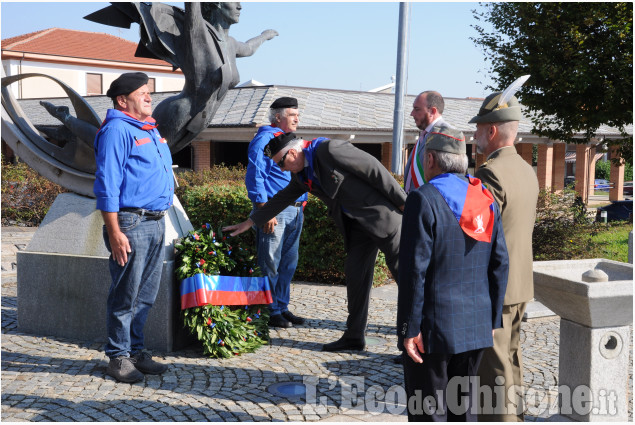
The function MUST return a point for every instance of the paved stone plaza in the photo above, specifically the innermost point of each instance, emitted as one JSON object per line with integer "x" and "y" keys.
{"x": 53, "y": 379}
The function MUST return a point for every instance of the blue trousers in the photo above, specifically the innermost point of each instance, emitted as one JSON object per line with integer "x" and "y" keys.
{"x": 278, "y": 255}
{"x": 135, "y": 285}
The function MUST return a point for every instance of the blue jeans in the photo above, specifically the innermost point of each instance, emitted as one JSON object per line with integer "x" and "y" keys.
{"x": 278, "y": 255}
{"x": 135, "y": 285}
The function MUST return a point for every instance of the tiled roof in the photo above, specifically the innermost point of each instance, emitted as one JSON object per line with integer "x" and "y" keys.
{"x": 77, "y": 44}
{"x": 320, "y": 109}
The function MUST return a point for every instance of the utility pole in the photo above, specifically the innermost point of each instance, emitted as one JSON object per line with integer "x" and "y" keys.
{"x": 400, "y": 89}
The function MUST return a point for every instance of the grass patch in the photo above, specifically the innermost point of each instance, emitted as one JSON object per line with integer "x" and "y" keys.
{"x": 610, "y": 241}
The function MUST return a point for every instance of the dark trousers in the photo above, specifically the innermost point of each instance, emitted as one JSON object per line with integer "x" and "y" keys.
{"x": 433, "y": 396}
{"x": 361, "y": 253}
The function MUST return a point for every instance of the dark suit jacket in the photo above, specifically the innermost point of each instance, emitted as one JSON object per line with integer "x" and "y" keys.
{"x": 451, "y": 287}
{"x": 350, "y": 180}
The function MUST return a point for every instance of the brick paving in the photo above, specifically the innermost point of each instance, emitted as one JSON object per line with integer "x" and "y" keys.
{"x": 55, "y": 379}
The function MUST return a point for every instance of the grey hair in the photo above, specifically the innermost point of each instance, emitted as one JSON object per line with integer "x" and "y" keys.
{"x": 508, "y": 129}
{"x": 274, "y": 112}
{"x": 449, "y": 162}
{"x": 295, "y": 144}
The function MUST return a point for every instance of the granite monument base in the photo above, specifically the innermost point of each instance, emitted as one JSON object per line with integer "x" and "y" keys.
{"x": 63, "y": 278}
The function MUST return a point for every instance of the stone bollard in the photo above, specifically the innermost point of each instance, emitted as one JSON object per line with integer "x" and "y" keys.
{"x": 594, "y": 299}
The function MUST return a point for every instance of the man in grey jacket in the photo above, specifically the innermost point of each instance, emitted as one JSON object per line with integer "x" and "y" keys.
{"x": 426, "y": 112}
{"x": 363, "y": 199}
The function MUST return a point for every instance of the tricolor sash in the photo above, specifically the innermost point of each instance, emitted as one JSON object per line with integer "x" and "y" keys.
{"x": 415, "y": 177}
{"x": 202, "y": 289}
{"x": 470, "y": 202}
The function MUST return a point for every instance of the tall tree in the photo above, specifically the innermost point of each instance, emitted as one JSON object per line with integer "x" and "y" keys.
{"x": 580, "y": 57}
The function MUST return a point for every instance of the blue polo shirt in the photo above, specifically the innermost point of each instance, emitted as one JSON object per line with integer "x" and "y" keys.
{"x": 134, "y": 165}
{"x": 264, "y": 178}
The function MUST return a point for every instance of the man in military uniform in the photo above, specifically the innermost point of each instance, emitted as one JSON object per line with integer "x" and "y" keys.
{"x": 514, "y": 185}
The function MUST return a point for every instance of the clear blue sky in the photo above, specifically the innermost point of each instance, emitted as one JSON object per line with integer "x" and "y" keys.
{"x": 350, "y": 46}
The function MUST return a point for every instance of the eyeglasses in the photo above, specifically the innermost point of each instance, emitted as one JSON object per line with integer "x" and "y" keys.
{"x": 281, "y": 162}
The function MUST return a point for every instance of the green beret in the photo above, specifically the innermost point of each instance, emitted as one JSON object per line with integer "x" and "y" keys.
{"x": 126, "y": 84}
{"x": 278, "y": 143}
{"x": 446, "y": 139}
{"x": 491, "y": 112}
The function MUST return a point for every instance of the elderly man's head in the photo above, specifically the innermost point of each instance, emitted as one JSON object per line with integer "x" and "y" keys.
{"x": 283, "y": 113}
{"x": 496, "y": 125}
{"x": 444, "y": 152}
{"x": 130, "y": 93}
{"x": 286, "y": 151}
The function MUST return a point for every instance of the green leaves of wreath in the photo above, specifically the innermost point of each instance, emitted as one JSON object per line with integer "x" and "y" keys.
{"x": 225, "y": 331}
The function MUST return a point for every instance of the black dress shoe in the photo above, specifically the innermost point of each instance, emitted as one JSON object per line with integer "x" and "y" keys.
{"x": 277, "y": 321}
{"x": 344, "y": 344}
{"x": 293, "y": 318}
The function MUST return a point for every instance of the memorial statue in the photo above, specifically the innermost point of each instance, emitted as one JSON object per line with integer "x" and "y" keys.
{"x": 196, "y": 40}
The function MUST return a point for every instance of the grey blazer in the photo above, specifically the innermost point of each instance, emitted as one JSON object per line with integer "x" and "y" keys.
{"x": 351, "y": 182}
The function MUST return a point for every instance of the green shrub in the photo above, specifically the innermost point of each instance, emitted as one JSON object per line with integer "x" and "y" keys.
{"x": 603, "y": 171}
{"x": 563, "y": 231}
{"x": 26, "y": 196}
{"x": 219, "y": 197}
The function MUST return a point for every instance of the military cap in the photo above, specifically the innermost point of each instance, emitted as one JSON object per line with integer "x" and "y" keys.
{"x": 446, "y": 139}
{"x": 285, "y": 102}
{"x": 491, "y": 112}
{"x": 278, "y": 143}
{"x": 126, "y": 84}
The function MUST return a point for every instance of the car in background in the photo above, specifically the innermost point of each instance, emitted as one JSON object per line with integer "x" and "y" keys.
{"x": 616, "y": 211}
{"x": 628, "y": 188}
{"x": 602, "y": 185}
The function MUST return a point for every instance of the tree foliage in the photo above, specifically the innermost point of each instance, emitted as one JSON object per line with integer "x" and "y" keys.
{"x": 580, "y": 57}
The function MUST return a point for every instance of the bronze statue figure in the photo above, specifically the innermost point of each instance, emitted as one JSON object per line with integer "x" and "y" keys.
{"x": 196, "y": 41}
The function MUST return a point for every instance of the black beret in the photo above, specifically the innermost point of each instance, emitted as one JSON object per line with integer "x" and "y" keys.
{"x": 278, "y": 143}
{"x": 126, "y": 84}
{"x": 285, "y": 102}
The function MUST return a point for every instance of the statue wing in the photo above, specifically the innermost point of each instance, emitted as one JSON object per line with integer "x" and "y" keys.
{"x": 160, "y": 25}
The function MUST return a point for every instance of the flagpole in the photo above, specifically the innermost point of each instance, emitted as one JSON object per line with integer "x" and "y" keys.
{"x": 400, "y": 88}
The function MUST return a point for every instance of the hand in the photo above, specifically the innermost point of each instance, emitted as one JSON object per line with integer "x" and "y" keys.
{"x": 402, "y": 207}
{"x": 269, "y": 34}
{"x": 119, "y": 244}
{"x": 239, "y": 228}
{"x": 270, "y": 225}
{"x": 119, "y": 247}
{"x": 414, "y": 346}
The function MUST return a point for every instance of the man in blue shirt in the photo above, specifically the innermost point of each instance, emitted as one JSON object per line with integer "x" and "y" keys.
{"x": 278, "y": 239}
{"x": 134, "y": 186}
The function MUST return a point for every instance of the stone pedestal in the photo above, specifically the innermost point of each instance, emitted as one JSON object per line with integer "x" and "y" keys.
{"x": 63, "y": 278}
{"x": 594, "y": 299}
{"x": 593, "y": 377}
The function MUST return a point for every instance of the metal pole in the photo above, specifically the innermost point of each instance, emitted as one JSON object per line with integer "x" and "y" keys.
{"x": 400, "y": 87}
